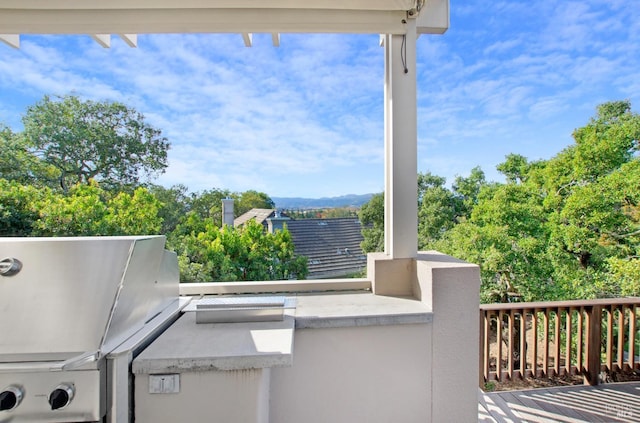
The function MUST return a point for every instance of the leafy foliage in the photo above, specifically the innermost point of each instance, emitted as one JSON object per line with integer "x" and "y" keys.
{"x": 76, "y": 170}
{"x": 19, "y": 207}
{"x": 438, "y": 208}
{"x": 85, "y": 210}
{"x": 372, "y": 220}
{"x": 239, "y": 254}
{"x": 84, "y": 140}
{"x": 18, "y": 164}
{"x": 563, "y": 228}
{"x": 251, "y": 200}
{"x": 567, "y": 227}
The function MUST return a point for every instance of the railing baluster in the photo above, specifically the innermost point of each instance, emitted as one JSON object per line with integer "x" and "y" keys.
{"x": 534, "y": 329}
{"x": 499, "y": 340}
{"x": 632, "y": 336}
{"x": 523, "y": 343}
{"x": 545, "y": 357}
{"x": 558, "y": 341}
{"x": 567, "y": 352}
{"x": 620, "y": 356}
{"x": 510, "y": 346}
{"x": 484, "y": 334}
{"x": 580, "y": 340}
{"x": 609, "y": 359}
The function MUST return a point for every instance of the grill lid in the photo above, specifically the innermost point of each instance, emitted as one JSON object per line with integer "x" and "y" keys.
{"x": 63, "y": 297}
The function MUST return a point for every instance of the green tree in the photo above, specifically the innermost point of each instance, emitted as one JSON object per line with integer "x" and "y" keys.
{"x": 251, "y": 200}
{"x": 515, "y": 168}
{"x": 208, "y": 204}
{"x": 561, "y": 228}
{"x": 19, "y": 209}
{"x": 467, "y": 189}
{"x": 85, "y": 210}
{"x": 590, "y": 189}
{"x": 89, "y": 210}
{"x": 438, "y": 209}
{"x": 18, "y": 164}
{"x": 104, "y": 141}
{"x": 372, "y": 219}
{"x": 239, "y": 254}
{"x": 174, "y": 205}
{"x": 338, "y": 212}
{"x": 506, "y": 235}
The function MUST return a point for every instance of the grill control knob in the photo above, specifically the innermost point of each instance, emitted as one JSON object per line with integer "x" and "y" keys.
{"x": 10, "y": 397}
{"x": 61, "y": 396}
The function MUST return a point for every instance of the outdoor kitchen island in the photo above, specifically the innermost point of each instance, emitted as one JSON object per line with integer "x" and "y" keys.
{"x": 357, "y": 357}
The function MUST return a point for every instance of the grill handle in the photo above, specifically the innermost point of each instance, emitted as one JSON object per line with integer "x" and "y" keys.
{"x": 74, "y": 362}
{"x": 53, "y": 366}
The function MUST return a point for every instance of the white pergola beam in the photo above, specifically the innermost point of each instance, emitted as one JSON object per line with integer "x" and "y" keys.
{"x": 401, "y": 145}
{"x": 247, "y": 38}
{"x": 214, "y": 4}
{"x": 158, "y": 21}
{"x": 435, "y": 18}
{"x": 103, "y": 39}
{"x": 275, "y": 39}
{"x": 130, "y": 39}
{"x": 12, "y": 40}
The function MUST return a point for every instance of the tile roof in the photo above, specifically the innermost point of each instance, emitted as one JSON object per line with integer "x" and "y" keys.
{"x": 260, "y": 215}
{"x": 331, "y": 245}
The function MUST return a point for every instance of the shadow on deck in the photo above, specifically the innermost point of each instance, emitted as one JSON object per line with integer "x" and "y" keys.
{"x": 616, "y": 402}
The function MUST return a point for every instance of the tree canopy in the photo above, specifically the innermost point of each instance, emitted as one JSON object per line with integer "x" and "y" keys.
{"x": 79, "y": 168}
{"x": 104, "y": 141}
{"x": 563, "y": 228}
{"x": 567, "y": 227}
{"x": 18, "y": 163}
{"x": 85, "y": 210}
{"x": 238, "y": 254}
{"x": 372, "y": 219}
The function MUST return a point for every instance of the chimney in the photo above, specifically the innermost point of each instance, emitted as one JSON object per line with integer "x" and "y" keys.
{"x": 227, "y": 212}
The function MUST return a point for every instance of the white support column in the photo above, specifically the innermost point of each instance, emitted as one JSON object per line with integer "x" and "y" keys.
{"x": 401, "y": 139}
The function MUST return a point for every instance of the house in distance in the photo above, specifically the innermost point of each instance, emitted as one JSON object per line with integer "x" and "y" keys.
{"x": 332, "y": 245}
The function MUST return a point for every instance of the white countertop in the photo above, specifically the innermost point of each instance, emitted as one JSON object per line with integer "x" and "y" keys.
{"x": 187, "y": 346}
{"x": 330, "y": 310}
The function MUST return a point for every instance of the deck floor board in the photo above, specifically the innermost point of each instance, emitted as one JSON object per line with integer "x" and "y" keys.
{"x": 613, "y": 402}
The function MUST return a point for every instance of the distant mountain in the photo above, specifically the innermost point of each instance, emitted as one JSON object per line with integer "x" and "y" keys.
{"x": 351, "y": 200}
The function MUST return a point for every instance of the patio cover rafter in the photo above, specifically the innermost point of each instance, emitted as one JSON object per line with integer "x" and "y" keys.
{"x": 220, "y": 16}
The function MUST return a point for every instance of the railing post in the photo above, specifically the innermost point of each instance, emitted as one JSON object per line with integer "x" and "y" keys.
{"x": 594, "y": 329}
{"x": 482, "y": 357}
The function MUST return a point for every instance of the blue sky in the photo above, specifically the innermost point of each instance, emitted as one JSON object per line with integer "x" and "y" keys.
{"x": 306, "y": 118}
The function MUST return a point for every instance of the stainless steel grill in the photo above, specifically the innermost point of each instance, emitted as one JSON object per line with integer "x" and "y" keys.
{"x": 74, "y": 312}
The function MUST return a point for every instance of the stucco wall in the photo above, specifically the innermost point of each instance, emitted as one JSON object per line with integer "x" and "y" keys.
{"x": 357, "y": 374}
{"x": 349, "y": 364}
{"x": 238, "y": 396}
{"x": 451, "y": 288}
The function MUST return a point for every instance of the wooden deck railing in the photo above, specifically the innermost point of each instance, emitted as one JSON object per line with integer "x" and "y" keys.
{"x": 545, "y": 339}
